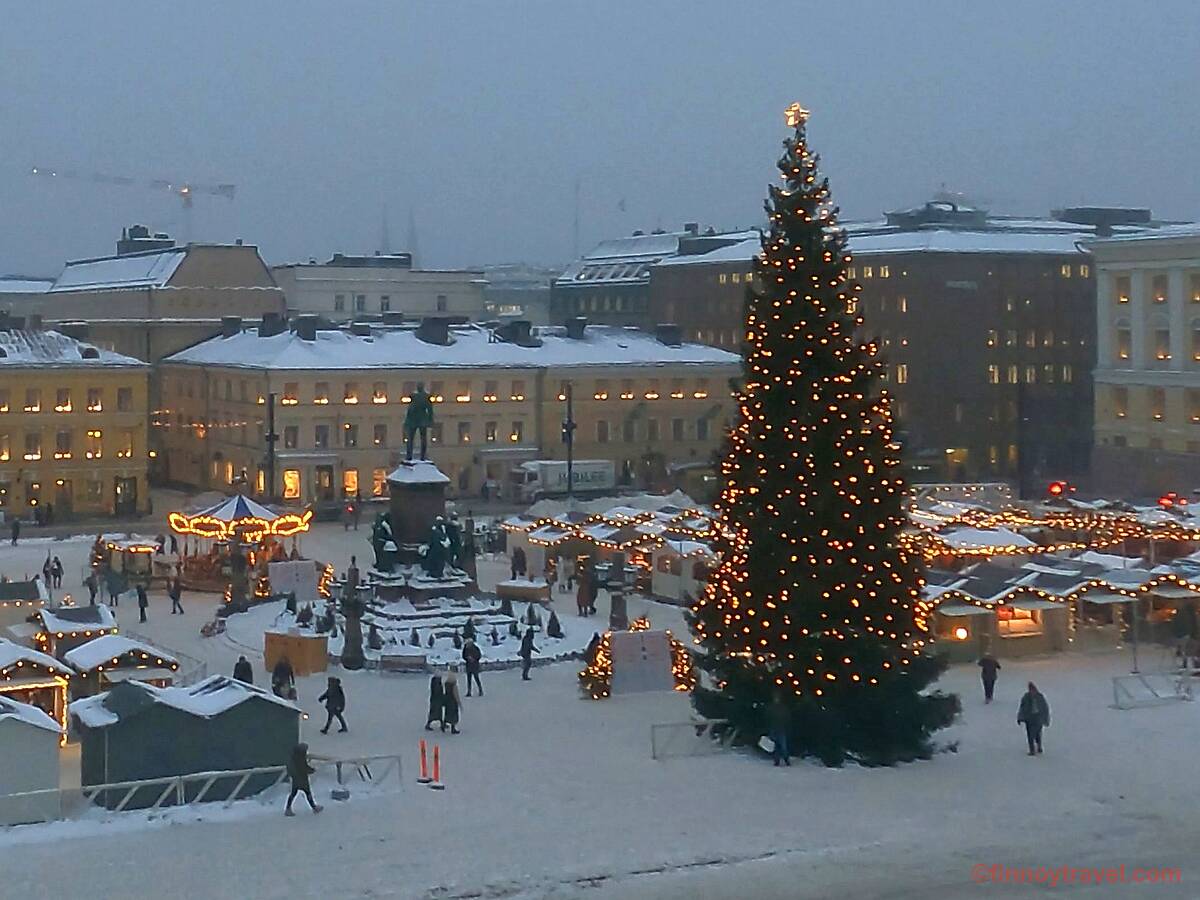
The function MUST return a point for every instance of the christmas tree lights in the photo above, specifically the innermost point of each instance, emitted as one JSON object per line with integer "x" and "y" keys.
{"x": 815, "y": 599}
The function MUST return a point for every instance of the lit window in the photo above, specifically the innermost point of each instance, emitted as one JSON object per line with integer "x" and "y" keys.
{"x": 464, "y": 432}
{"x": 378, "y": 482}
{"x": 885, "y": 272}
{"x": 349, "y": 483}
{"x": 406, "y": 394}
{"x": 436, "y": 392}
{"x": 125, "y": 445}
{"x": 722, "y": 278}
{"x": 867, "y": 272}
{"x": 993, "y": 337}
{"x": 33, "y": 400}
{"x": 902, "y": 374}
{"x": 1065, "y": 270}
{"x": 1123, "y": 285}
{"x": 652, "y": 393}
{"x": 1162, "y": 344}
{"x": 1120, "y": 401}
{"x": 851, "y": 273}
{"x": 601, "y": 389}
{"x": 4, "y": 400}
{"x": 489, "y": 432}
{"x": 291, "y": 392}
{"x": 701, "y": 392}
{"x": 5, "y": 448}
{"x": 350, "y": 393}
{"x": 518, "y": 391}
{"x": 1010, "y": 338}
{"x": 1014, "y": 622}
{"x": 677, "y": 389}
{"x": 94, "y": 448}
{"x": 1158, "y": 404}
{"x": 1031, "y": 374}
{"x": 464, "y": 392}
{"x": 1068, "y": 373}
{"x": 379, "y": 392}
{"x": 1031, "y": 338}
{"x": 491, "y": 387}
{"x": 1012, "y": 374}
{"x": 627, "y": 392}
{"x": 736, "y": 277}
{"x": 33, "y": 446}
{"x": 291, "y": 484}
{"x": 902, "y": 304}
{"x": 993, "y": 374}
{"x": 1048, "y": 339}
{"x": 1194, "y": 291}
{"x": 1158, "y": 288}
{"x": 1124, "y": 343}
{"x": 62, "y": 400}
{"x": 1048, "y": 373}
{"x": 320, "y": 393}
{"x": 62, "y": 445}
{"x": 517, "y": 433}
{"x": 1085, "y": 270}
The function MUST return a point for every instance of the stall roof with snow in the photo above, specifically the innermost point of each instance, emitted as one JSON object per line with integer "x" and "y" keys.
{"x": 114, "y": 650}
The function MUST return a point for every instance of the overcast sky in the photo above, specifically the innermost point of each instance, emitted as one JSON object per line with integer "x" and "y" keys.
{"x": 477, "y": 119}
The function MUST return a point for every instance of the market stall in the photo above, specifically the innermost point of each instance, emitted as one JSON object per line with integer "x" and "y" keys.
{"x": 28, "y": 676}
{"x": 113, "y": 658}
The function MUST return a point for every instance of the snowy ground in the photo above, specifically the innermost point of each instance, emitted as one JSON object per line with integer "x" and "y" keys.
{"x": 549, "y": 795}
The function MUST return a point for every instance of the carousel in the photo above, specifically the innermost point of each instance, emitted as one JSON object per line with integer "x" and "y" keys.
{"x": 229, "y": 547}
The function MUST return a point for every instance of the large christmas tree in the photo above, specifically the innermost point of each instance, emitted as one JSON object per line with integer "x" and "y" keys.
{"x": 814, "y": 601}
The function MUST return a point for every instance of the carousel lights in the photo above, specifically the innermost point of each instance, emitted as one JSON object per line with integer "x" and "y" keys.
{"x": 252, "y": 528}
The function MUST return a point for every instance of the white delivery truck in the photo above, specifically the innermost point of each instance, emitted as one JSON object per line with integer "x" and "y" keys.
{"x": 548, "y": 478}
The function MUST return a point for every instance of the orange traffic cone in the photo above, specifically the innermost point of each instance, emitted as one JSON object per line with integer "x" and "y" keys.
{"x": 424, "y": 779}
{"x": 436, "y": 784}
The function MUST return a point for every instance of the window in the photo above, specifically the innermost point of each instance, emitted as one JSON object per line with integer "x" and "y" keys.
{"x": 1048, "y": 373}
{"x": 1158, "y": 288}
{"x": 436, "y": 392}
{"x": 1162, "y": 344}
{"x": 435, "y": 433}
{"x": 1193, "y": 402}
{"x": 441, "y": 302}
{"x": 291, "y": 394}
{"x": 490, "y": 388}
{"x": 5, "y": 448}
{"x": 1194, "y": 290}
{"x": 379, "y": 435}
{"x": 1010, "y": 304}
{"x": 489, "y": 432}
{"x": 229, "y": 472}
{"x": 902, "y": 304}
{"x": 702, "y": 429}
{"x": 652, "y": 393}
{"x": 867, "y": 272}
{"x": 291, "y": 484}
{"x": 851, "y": 273}
{"x": 722, "y": 278}
{"x": 1158, "y": 404}
{"x": 228, "y": 392}
{"x": 1047, "y": 338}
{"x": 701, "y": 392}
{"x": 1031, "y": 338}
{"x": 62, "y": 400}
{"x": 125, "y": 444}
{"x": 379, "y": 392}
{"x": 350, "y": 393}
{"x": 902, "y": 373}
{"x": 993, "y": 337}
{"x": 94, "y": 446}
{"x": 385, "y": 303}
{"x": 33, "y": 400}
{"x": 518, "y": 432}
{"x": 4, "y": 400}
{"x": 1196, "y": 341}
{"x": 1031, "y": 374}
{"x": 676, "y": 388}
{"x": 518, "y": 391}
{"x": 339, "y": 305}
{"x": 993, "y": 374}
{"x": 1065, "y": 270}
{"x": 463, "y": 394}
{"x": 360, "y": 302}
{"x": 1124, "y": 342}
{"x": 1120, "y": 402}
{"x": 321, "y": 437}
{"x": 464, "y": 432}
{"x": 958, "y": 413}
{"x": 602, "y": 432}
{"x": 349, "y": 435}
{"x": 320, "y": 393}
{"x": 652, "y": 431}
{"x": 885, "y": 272}
{"x": 736, "y": 278}
{"x": 1012, "y": 374}
{"x": 291, "y": 436}
{"x": 629, "y": 431}
{"x": 349, "y": 483}
{"x": 627, "y": 391}
{"x": 1123, "y": 287}
{"x": 1085, "y": 271}
{"x": 1068, "y": 374}
{"x": 378, "y": 482}
{"x": 677, "y": 430}
{"x": 1011, "y": 621}
{"x": 62, "y": 445}
{"x": 33, "y": 445}
{"x": 406, "y": 394}
{"x": 1010, "y": 338}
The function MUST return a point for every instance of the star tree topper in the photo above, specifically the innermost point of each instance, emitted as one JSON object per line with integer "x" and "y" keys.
{"x": 795, "y": 114}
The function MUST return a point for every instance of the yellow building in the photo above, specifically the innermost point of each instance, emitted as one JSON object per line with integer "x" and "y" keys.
{"x": 647, "y": 402}
{"x": 1148, "y": 361}
{"x": 72, "y": 427}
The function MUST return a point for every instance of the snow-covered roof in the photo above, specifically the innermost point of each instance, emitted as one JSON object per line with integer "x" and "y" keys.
{"x": 1166, "y": 232}
{"x": 21, "y": 348}
{"x": 742, "y": 251}
{"x": 471, "y": 347}
{"x": 27, "y": 713}
{"x": 418, "y": 472}
{"x": 25, "y": 285}
{"x": 205, "y": 699}
{"x": 965, "y": 538}
{"x": 152, "y": 268}
{"x": 105, "y": 649}
{"x": 955, "y": 241}
{"x": 686, "y": 548}
{"x": 12, "y": 653}
{"x": 68, "y": 619}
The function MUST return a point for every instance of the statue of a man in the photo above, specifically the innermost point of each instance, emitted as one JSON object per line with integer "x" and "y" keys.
{"x": 418, "y": 418}
{"x": 454, "y": 536}
{"x": 437, "y": 549}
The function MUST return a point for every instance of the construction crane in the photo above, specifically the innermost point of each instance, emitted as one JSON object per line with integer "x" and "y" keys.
{"x": 186, "y": 191}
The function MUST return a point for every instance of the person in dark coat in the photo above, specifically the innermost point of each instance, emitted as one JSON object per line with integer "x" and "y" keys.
{"x": 298, "y": 771}
{"x": 526, "y": 653}
{"x": 56, "y": 572}
{"x": 16, "y": 531}
{"x": 589, "y": 655}
{"x": 779, "y": 727}
{"x": 988, "y": 667}
{"x": 143, "y": 602}
{"x": 518, "y": 563}
{"x": 473, "y": 663}
{"x": 48, "y": 572}
{"x": 435, "y": 702}
{"x": 112, "y": 582}
{"x": 175, "y": 592}
{"x": 582, "y": 602}
{"x": 283, "y": 679}
{"x": 1034, "y": 714}
{"x": 174, "y": 545}
{"x": 243, "y": 671}
{"x": 93, "y": 585}
{"x": 451, "y": 703}
{"x": 334, "y": 699}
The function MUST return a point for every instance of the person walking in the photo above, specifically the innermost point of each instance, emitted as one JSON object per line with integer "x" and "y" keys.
{"x": 56, "y": 572}
{"x": 582, "y": 602}
{"x": 283, "y": 679}
{"x": 779, "y": 726}
{"x": 298, "y": 770}
{"x": 243, "y": 671}
{"x": 175, "y": 592}
{"x": 356, "y": 511}
{"x": 526, "y": 653}
{"x": 451, "y": 702}
{"x": 48, "y": 572}
{"x": 435, "y": 703}
{"x": 16, "y": 531}
{"x": 334, "y": 699}
{"x": 174, "y": 545}
{"x": 473, "y": 663}
{"x": 988, "y": 667}
{"x": 1034, "y": 714}
{"x": 143, "y": 602}
{"x": 112, "y": 583}
{"x": 518, "y": 563}
{"x": 92, "y": 583}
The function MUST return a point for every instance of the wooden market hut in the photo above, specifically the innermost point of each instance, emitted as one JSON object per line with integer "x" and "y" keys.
{"x": 19, "y": 599}
{"x": 66, "y": 627}
{"x": 105, "y": 661}
{"x": 28, "y": 676}
{"x": 680, "y": 569}
{"x": 29, "y": 739}
{"x": 137, "y": 731}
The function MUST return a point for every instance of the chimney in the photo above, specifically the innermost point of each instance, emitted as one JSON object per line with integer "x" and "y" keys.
{"x": 272, "y": 324}
{"x": 576, "y": 326}
{"x": 519, "y": 332}
{"x": 306, "y": 327}
{"x": 669, "y": 334}
{"x": 75, "y": 330}
{"x": 393, "y": 318}
{"x": 34, "y": 322}
{"x": 692, "y": 228}
{"x": 238, "y": 242}
{"x": 231, "y": 326}
{"x": 435, "y": 330}
{"x": 361, "y": 329}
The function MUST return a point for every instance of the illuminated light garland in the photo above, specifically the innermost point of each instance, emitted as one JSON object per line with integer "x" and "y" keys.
{"x": 251, "y": 528}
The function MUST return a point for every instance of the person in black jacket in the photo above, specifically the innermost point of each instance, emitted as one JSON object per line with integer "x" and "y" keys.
{"x": 988, "y": 666}
{"x": 175, "y": 592}
{"x": 298, "y": 771}
{"x": 589, "y": 655}
{"x": 526, "y": 653}
{"x": 283, "y": 679}
{"x": 779, "y": 727}
{"x": 334, "y": 699}
{"x": 472, "y": 662}
{"x": 435, "y": 702}
{"x": 143, "y": 602}
{"x": 243, "y": 671}
{"x": 1034, "y": 714}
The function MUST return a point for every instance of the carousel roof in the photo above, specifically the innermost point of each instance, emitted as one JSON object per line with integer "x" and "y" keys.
{"x": 238, "y": 514}
{"x": 238, "y": 507}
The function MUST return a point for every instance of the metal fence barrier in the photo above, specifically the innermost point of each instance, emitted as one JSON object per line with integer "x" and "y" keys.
{"x": 1151, "y": 688}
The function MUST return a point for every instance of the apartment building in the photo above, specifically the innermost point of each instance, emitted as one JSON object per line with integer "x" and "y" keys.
{"x": 648, "y": 402}
{"x": 1147, "y": 413}
{"x": 72, "y": 427}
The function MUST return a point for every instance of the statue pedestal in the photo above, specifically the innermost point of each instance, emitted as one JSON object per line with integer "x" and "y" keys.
{"x": 418, "y": 496}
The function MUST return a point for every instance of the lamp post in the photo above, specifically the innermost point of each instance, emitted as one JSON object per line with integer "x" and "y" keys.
{"x": 271, "y": 438}
{"x": 568, "y": 437}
